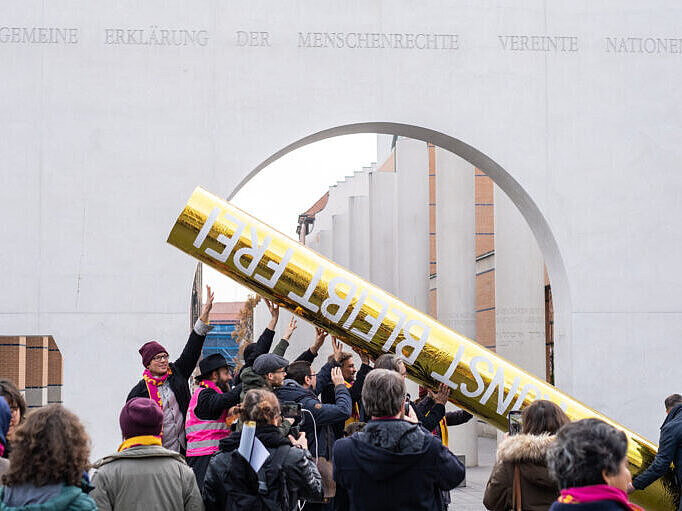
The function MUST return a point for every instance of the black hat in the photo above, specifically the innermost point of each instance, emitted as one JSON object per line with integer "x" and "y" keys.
{"x": 211, "y": 363}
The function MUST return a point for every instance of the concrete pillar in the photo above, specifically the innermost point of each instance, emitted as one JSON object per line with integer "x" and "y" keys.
{"x": 36, "y": 371}
{"x": 412, "y": 223}
{"x": 55, "y": 372}
{"x": 13, "y": 360}
{"x": 341, "y": 239}
{"x": 456, "y": 268}
{"x": 359, "y": 256}
{"x": 325, "y": 243}
{"x": 382, "y": 208}
{"x": 519, "y": 289}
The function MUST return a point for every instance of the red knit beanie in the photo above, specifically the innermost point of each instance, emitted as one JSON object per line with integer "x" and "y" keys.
{"x": 141, "y": 416}
{"x": 149, "y": 350}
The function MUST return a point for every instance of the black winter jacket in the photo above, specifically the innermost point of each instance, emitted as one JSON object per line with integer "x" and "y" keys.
{"x": 181, "y": 371}
{"x": 396, "y": 465}
{"x": 210, "y": 404}
{"x": 669, "y": 451}
{"x": 325, "y": 415}
{"x": 303, "y": 478}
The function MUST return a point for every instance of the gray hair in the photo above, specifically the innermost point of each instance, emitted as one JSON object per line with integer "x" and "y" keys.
{"x": 383, "y": 394}
{"x": 583, "y": 450}
{"x": 388, "y": 361}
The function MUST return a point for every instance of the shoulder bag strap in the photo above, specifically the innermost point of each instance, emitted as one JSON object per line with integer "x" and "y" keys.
{"x": 516, "y": 502}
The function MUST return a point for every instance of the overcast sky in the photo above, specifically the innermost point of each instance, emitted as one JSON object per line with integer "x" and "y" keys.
{"x": 289, "y": 186}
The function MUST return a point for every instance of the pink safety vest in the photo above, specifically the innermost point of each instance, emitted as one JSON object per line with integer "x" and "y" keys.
{"x": 203, "y": 437}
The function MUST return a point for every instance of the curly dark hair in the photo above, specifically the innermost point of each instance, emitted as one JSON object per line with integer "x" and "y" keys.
{"x": 583, "y": 450}
{"x": 50, "y": 447}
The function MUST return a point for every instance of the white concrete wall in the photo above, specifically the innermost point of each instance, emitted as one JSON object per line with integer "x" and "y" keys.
{"x": 359, "y": 228}
{"x": 519, "y": 290}
{"x": 456, "y": 269}
{"x": 382, "y": 230}
{"x": 103, "y": 143}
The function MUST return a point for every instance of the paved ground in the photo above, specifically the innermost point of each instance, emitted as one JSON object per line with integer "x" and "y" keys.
{"x": 470, "y": 498}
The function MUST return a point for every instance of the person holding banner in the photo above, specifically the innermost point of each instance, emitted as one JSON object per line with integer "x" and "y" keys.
{"x": 276, "y": 481}
{"x": 166, "y": 383}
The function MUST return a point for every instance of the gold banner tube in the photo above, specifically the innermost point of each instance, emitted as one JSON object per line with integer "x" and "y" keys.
{"x": 313, "y": 287}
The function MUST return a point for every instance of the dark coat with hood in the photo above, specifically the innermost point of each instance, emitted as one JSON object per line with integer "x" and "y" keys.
{"x": 538, "y": 489}
{"x": 393, "y": 464}
{"x": 302, "y": 476}
{"x": 325, "y": 415}
{"x": 181, "y": 370}
{"x": 669, "y": 451}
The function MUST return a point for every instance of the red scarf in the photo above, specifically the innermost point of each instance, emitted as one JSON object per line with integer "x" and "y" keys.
{"x": 586, "y": 494}
{"x": 2, "y": 450}
{"x": 153, "y": 383}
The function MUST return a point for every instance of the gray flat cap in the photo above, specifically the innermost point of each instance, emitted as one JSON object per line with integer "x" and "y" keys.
{"x": 269, "y": 363}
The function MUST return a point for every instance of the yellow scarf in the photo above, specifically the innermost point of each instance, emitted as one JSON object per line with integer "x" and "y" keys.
{"x": 134, "y": 441}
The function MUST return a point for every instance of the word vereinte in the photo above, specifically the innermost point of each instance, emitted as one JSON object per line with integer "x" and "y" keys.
{"x": 378, "y": 40}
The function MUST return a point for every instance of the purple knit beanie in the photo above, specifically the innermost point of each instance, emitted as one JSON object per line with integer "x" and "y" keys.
{"x": 149, "y": 350}
{"x": 141, "y": 416}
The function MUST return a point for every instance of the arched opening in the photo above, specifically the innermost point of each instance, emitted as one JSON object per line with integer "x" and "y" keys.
{"x": 560, "y": 292}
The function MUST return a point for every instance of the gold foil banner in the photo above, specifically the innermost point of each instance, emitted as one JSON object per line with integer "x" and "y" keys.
{"x": 364, "y": 316}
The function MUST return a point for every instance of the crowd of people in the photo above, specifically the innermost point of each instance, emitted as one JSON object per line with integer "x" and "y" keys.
{"x": 276, "y": 434}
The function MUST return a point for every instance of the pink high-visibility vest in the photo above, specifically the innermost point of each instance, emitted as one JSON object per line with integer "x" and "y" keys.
{"x": 203, "y": 437}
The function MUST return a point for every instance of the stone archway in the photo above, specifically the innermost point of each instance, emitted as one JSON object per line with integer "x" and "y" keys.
{"x": 504, "y": 180}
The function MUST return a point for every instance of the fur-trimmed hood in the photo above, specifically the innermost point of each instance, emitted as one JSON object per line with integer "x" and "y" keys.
{"x": 525, "y": 449}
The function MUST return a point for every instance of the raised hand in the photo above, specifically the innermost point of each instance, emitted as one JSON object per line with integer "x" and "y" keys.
{"x": 442, "y": 395}
{"x": 274, "y": 313}
{"x": 337, "y": 377}
{"x": 206, "y": 310}
{"x": 320, "y": 336}
{"x": 290, "y": 329}
{"x": 364, "y": 357}
{"x": 336, "y": 346}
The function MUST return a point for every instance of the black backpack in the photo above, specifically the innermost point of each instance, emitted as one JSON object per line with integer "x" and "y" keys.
{"x": 265, "y": 490}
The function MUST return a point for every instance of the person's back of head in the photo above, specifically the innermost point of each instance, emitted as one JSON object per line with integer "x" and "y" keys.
{"x": 584, "y": 452}
{"x": 672, "y": 401}
{"x": 141, "y": 416}
{"x": 260, "y": 406}
{"x": 543, "y": 416}
{"x": 298, "y": 371}
{"x": 50, "y": 447}
{"x": 383, "y": 394}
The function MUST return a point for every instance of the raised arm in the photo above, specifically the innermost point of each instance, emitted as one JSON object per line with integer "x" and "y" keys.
{"x": 189, "y": 357}
{"x": 310, "y": 354}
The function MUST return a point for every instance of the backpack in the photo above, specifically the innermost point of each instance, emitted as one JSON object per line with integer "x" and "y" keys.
{"x": 265, "y": 490}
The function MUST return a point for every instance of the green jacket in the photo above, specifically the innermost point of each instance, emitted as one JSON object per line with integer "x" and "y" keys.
{"x": 146, "y": 477}
{"x": 71, "y": 498}
{"x": 252, "y": 380}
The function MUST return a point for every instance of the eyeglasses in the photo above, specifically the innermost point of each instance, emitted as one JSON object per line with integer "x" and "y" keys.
{"x": 160, "y": 357}
{"x": 312, "y": 375}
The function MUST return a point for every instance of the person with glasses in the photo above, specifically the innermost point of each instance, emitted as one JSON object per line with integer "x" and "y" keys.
{"x": 166, "y": 383}
{"x": 299, "y": 387}
{"x": 208, "y": 411}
